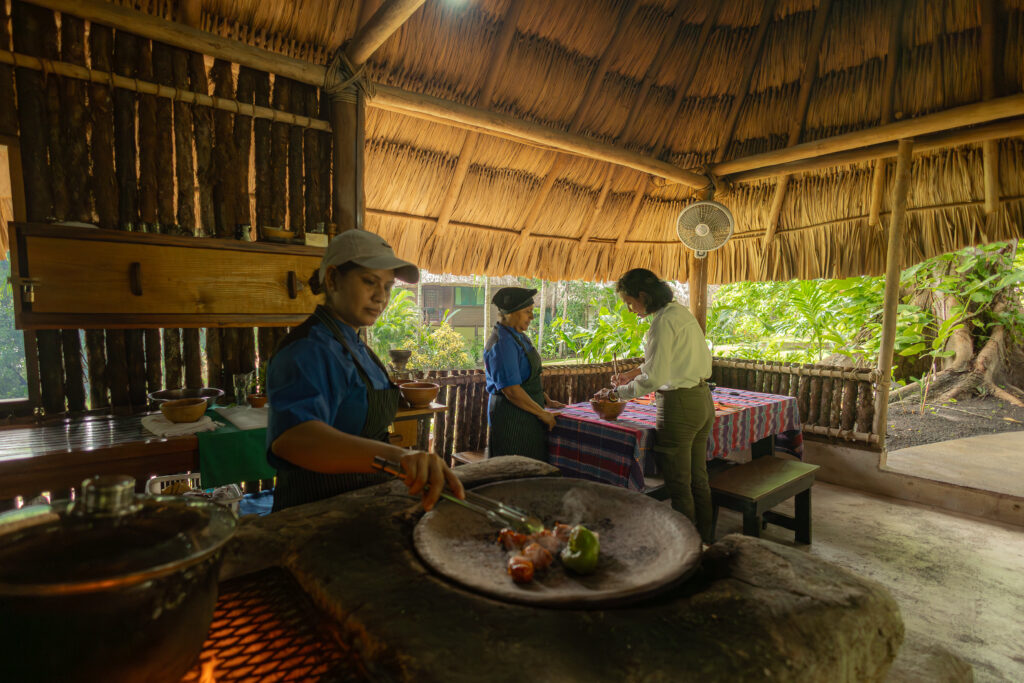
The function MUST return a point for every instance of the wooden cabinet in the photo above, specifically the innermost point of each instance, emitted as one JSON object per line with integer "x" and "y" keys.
{"x": 80, "y": 277}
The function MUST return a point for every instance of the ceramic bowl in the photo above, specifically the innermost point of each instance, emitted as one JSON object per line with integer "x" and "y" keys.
{"x": 276, "y": 233}
{"x": 209, "y": 394}
{"x": 184, "y": 410}
{"x": 608, "y": 410}
{"x": 257, "y": 400}
{"x": 419, "y": 394}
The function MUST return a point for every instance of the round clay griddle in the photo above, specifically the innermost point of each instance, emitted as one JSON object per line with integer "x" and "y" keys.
{"x": 645, "y": 546}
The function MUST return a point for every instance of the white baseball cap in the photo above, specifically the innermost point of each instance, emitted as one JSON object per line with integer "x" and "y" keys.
{"x": 368, "y": 250}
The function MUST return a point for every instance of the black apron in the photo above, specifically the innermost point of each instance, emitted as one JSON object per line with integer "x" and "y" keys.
{"x": 298, "y": 486}
{"x": 513, "y": 430}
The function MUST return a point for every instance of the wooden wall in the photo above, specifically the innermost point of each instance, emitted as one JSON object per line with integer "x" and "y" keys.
{"x": 193, "y": 171}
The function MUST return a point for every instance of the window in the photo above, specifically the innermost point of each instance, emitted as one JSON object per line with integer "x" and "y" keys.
{"x": 469, "y": 296}
{"x": 14, "y": 373}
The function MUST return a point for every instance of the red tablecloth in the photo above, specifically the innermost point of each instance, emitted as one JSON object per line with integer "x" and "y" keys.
{"x": 583, "y": 445}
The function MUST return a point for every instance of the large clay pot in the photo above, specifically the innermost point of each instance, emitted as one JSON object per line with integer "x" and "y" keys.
{"x": 111, "y": 587}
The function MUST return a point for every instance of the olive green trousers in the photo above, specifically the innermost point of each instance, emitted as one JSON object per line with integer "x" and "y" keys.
{"x": 685, "y": 418}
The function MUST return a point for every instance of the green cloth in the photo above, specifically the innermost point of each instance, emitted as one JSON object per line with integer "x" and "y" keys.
{"x": 230, "y": 455}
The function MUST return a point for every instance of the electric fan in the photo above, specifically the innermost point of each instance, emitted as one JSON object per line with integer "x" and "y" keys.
{"x": 705, "y": 226}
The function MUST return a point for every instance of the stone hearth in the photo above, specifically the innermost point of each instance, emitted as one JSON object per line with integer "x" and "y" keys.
{"x": 755, "y": 611}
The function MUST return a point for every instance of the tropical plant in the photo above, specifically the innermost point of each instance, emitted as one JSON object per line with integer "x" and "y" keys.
{"x": 616, "y": 332}
{"x": 439, "y": 349}
{"x": 399, "y": 322}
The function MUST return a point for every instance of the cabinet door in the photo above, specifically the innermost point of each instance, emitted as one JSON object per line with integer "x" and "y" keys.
{"x": 68, "y": 276}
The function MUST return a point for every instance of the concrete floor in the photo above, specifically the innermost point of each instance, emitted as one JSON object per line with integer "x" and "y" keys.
{"x": 959, "y": 581}
{"x": 993, "y": 462}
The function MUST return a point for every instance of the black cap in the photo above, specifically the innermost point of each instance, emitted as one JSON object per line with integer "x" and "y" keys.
{"x": 512, "y": 299}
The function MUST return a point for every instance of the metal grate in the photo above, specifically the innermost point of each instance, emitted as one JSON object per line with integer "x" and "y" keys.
{"x": 266, "y": 629}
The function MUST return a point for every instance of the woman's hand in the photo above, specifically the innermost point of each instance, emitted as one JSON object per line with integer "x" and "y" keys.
{"x": 552, "y": 404}
{"x": 422, "y": 468}
{"x": 625, "y": 377}
{"x": 602, "y": 395}
{"x": 548, "y": 418}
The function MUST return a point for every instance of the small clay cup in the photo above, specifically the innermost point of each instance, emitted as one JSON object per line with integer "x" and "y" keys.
{"x": 257, "y": 400}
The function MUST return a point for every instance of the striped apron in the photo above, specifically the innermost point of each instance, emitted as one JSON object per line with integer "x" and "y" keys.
{"x": 513, "y": 430}
{"x": 298, "y": 486}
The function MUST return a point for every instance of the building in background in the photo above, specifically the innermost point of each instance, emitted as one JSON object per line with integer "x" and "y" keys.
{"x": 464, "y": 296}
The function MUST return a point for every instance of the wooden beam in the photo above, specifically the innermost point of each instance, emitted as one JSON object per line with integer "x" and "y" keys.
{"x": 148, "y": 88}
{"x": 1009, "y": 128}
{"x": 698, "y": 285}
{"x": 685, "y": 81}
{"x": 892, "y": 59}
{"x": 904, "y": 160}
{"x": 965, "y": 115}
{"x": 384, "y": 22}
{"x": 671, "y": 35}
{"x": 498, "y": 57}
{"x": 767, "y": 15}
{"x": 989, "y": 59}
{"x": 797, "y": 125}
{"x": 459, "y": 115}
{"x": 558, "y": 163}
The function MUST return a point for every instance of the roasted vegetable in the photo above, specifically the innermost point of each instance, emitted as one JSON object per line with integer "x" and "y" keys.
{"x": 581, "y": 553}
{"x": 520, "y": 569}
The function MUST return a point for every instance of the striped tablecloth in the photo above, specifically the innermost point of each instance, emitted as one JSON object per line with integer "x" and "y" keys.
{"x": 584, "y": 446}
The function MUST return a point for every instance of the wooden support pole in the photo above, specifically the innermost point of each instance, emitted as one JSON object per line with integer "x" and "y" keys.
{"x": 666, "y": 126}
{"x": 797, "y": 125}
{"x": 498, "y": 63}
{"x": 753, "y": 57}
{"x": 558, "y": 162}
{"x": 957, "y": 117}
{"x": 989, "y": 87}
{"x": 698, "y": 285}
{"x": 893, "y": 257}
{"x": 384, "y": 22}
{"x": 892, "y": 61}
{"x": 1009, "y": 128}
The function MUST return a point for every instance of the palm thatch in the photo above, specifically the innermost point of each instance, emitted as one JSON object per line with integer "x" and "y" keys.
{"x": 446, "y": 49}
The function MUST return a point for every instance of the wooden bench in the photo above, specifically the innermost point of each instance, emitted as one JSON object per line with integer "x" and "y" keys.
{"x": 755, "y": 487}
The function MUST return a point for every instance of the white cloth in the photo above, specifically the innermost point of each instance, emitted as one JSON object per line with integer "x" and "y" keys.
{"x": 161, "y": 426}
{"x": 676, "y": 355}
{"x": 246, "y": 417}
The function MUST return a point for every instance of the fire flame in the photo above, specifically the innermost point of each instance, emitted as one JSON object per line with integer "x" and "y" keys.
{"x": 208, "y": 668}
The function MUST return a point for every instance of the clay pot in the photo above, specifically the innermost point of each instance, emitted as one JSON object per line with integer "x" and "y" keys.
{"x": 184, "y": 410}
{"x": 257, "y": 400}
{"x": 608, "y": 410}
{"x": 419, "y": 394}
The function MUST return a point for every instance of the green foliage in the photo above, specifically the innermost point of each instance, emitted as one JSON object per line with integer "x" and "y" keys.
{"x": 398, "y": 322}
{"x": 13, "y": 369}
{"x": 440, "y": 349}
{"x": 616, "y": 332}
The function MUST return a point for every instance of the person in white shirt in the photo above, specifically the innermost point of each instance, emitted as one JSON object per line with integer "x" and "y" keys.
{"x": 677, "y": 364}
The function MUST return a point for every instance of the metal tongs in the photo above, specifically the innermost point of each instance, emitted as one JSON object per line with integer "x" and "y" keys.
{"x": 494, "y": 510}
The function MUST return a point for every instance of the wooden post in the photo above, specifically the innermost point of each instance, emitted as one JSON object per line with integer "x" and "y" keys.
{"x": 991, "y": 77}
{"x": 892, "y": 287}
{"x": 892, "y": 60}
{"x": 540, "y": 334}
{"x": 698, "y": 284}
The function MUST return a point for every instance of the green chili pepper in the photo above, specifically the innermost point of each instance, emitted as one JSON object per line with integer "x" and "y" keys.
{"x": 580, "y": 555}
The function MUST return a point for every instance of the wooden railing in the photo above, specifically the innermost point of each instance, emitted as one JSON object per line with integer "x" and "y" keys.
{"x": 833, "y": 402}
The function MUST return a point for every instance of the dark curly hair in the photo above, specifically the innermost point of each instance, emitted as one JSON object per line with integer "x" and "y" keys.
{"x": 644, "y": 285}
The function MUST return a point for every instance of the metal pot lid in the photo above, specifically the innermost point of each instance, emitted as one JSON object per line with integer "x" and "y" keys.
{"x": 108, "y": 538}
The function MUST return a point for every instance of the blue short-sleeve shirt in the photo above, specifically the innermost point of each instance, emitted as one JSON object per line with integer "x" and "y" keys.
{"x": 315, "y": 378}
{"x": 505, "y": 363}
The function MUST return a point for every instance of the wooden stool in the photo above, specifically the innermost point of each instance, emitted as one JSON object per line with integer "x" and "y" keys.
{"x": 467, "y": 457}
{"x": 755, "y": 487}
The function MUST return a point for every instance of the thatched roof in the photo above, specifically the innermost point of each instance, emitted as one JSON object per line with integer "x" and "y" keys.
{"x": 506, "y": 219}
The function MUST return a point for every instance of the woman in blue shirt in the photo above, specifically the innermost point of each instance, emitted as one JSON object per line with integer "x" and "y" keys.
{"x": 516, "y": 408}
{"x": 331, "y": 400}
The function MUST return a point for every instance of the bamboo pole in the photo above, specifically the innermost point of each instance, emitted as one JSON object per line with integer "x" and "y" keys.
{"x": 146, "y": 143}
{"x": 483, "y": 99}
{"x": 1009, "y": 128}
{"x": 892, "y": 61}
{"x": 753, "y": 57}
{"x": 540, "y": 335}
{"x": 989, "y": 87}
{"x": 311, "y": 167}
{"x": 965, "y": 115}
{"x": 698, "y": 285}
{"x": 296, "y": 188}
{"x": 892, "y": 287}
{"x": 279, "y": 156}
{"x": 384, "y": 22}
{"x": 261, "y": 153}
{"x": 225, "y": 155}
{"x": 593, "y": 86}
{"x": 184, "y": 162}
{"x": 797, "y": 125}
{"x": 245, "y": 87}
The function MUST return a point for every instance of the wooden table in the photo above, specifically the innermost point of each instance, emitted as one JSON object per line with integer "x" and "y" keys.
{"x": 57, "y": 456}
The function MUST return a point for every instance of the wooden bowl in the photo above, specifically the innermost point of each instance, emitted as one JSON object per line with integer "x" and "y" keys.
{"x": 608, "y": 410}
{"x": 184, "y": 410}
{"x": 419, "y": 394}
{"x": 257, "y": 400}
{"x": 276, "y": 234}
